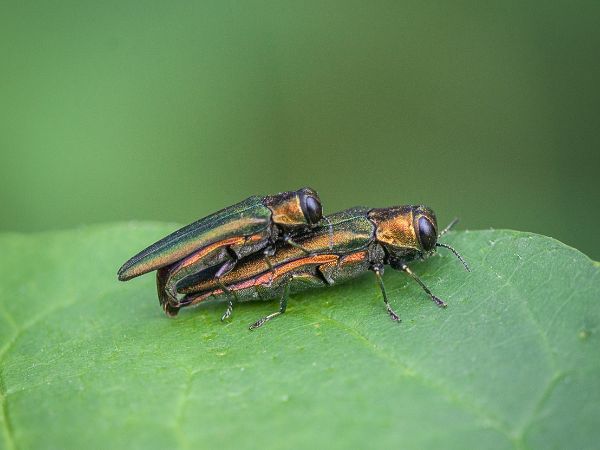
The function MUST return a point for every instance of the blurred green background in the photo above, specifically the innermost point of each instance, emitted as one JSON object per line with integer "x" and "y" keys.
{"x": 168, "y": 111}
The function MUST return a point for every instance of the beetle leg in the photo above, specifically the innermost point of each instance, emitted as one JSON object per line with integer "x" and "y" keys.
{"x": 284, "y": 298}
{"x": 267, "y": 253}
{"x": 288, "y": 240}
{"x": 377, "y": 270}
{"x": 438, "y": 301}
{"x": 202, "y": 260}
{"x": 282, "y": 308}
{"x": 327, "y": 272}
{"x": 226, "y": 267}
{"x": 230, "y": 296}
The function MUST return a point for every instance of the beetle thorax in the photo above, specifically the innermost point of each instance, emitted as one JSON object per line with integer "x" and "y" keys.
{"x": 395, "y": 229}
{"x": 286, "y": 209}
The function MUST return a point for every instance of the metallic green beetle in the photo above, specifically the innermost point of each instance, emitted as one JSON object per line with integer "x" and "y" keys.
{"x": 221, "y": 239}
{"x": 353, "y": 242}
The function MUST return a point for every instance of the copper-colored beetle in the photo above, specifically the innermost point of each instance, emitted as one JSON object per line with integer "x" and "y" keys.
{"x": 221, "y": 239}
{"x": 344, "y": 246}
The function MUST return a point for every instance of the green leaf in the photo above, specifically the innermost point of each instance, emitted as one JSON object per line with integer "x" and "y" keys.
{"x": 89, "y": 362}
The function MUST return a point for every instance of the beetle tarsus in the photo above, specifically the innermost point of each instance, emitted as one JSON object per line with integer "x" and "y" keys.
{"x": 282, "y": 307}
{"x": 395, "y": 317}
{"x": 438, "y": 301}
{"x": 228, "y": 311}
{"x": 230, "y": 296}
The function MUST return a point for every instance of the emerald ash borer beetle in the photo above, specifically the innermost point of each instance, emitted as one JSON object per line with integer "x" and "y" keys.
{"x": 344, "y": 246}
{"x": 220, "y": 240}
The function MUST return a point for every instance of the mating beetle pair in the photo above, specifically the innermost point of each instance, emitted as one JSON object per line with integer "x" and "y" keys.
{"x": 264, "y": 248}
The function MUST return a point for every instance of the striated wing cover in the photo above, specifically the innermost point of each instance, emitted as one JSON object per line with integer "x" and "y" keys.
{"x": 338, "y": 234}
{"x": 245, "y": 218}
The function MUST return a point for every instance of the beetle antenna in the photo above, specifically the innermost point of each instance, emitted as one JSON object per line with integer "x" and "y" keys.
{"x": 449, "y": 227}
{"x": 437, "y": 244}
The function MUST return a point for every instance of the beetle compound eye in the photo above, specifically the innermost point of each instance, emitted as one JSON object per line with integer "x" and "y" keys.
{"x": 311, "y": 207}
{"x": 427, "y": 234}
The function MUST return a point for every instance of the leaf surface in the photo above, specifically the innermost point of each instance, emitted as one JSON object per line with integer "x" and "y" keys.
{"x": 90, "y": 362}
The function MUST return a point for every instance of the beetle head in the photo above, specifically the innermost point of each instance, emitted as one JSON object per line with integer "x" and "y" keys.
{"x": 407, "y": 230}
{"x": 292, "y": 209}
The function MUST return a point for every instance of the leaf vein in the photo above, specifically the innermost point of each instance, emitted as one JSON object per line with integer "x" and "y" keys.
{"x": 410, "y": 372}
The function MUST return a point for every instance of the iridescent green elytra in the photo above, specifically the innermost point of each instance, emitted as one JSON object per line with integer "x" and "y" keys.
{"x": 344, "y": 246}
{"x": 221, "y": 239}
